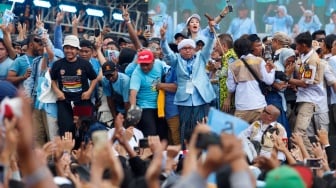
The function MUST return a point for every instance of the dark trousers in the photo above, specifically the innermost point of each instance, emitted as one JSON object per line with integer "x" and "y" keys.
{"x": 65, "y": 116}
{"x": 151, "y": 125}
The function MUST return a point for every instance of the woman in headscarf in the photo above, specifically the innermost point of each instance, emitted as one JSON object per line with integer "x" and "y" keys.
{"x": 286, "y": 57}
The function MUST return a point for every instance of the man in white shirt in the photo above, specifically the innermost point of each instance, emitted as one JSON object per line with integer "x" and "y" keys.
{"x": 308, "y": 82}
{"x": 249, "y": 100}
{"x": 257, "y": 130}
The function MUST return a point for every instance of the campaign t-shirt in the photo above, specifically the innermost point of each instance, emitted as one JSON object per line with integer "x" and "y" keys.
{"x": 72, "y": 77}
{"x": 4, "y": 67}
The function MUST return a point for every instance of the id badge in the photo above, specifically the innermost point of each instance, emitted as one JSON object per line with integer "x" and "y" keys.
{"x": 189, "y": 87}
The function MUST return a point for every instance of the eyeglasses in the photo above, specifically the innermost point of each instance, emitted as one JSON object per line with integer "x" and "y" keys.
{"x": 38, "y": 40}
{"x": 108, "y": 76}
{"x": 187, "y": 48}
{"x": 267, "y": 112}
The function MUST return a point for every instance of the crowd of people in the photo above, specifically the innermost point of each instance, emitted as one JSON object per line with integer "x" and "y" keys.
{"x": 132, "y": 111}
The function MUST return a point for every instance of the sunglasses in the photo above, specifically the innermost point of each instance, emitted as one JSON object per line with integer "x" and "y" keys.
{"x": 37, "y": 40}
{"x": 267, "y": 112}
{"x": 108, "y": 76}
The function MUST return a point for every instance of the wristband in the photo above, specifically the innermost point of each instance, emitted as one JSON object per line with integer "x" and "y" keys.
{"x": 222, "y": 16}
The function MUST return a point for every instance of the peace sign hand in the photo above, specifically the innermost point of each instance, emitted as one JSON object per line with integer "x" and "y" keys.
{"x": 163, "y": 31}
{"x": 125, "y": 14}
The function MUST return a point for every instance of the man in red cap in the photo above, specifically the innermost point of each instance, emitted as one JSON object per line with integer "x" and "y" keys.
{"x": 143, "y": 92}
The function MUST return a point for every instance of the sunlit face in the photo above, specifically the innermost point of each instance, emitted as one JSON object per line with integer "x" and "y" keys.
{"x": 289, "y": 61}
{"x": 70, "y": 53}
{"x": 281, "y": 12}
{"x": 105, "y": 42}
{"x": 194, "y": 25}
{"x": 156, "y": 49}
{"x": 3, "y": 52}
{"x": 146, "y": 67}
{"x": 257, "y": 48}
{"x": 112, "y": 77}
{"x": 187, "y": 52}
{"x": 333, "y": 48}
{"x": 85, "y": 53}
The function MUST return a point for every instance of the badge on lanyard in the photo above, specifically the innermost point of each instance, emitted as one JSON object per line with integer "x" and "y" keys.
{"x": 189, "y": 87}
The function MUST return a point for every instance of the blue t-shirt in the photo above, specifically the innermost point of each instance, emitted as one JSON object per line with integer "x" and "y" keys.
{"x": 171, "y": 109}
{"x": 21, "y": 64}
{"x": 121, "y": 86}
{"x": 4, "y": 67}
{"x": 95, "y": 64}
{"x": 145, "y": 83}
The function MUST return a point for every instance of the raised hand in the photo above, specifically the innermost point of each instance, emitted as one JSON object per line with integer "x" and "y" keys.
{"x": 59, "y": 17}
{"x": 39, "y": 23}
{"x": 163, "y": 31}
{"x": 75, "y": 20}
{"x": 125, "y": 14}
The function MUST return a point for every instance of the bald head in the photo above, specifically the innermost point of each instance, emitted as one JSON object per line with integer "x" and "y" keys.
{"x": 273, "y": 110}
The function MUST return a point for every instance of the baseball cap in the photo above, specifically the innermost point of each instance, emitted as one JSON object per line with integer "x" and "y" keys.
{"x": 284, "y": 176}
{"x": 71, "y": 40}
{"x": 124, "y": 39}
{"x": 145, "y": 56}
{"x": 177, "y": 35}
{"x": 108, "y": 68}
{"x": 193, "y": 16}
{"x": 306, "y": 175}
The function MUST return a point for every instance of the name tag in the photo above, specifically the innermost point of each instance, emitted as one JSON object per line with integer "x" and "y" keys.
{"x": 189, "y": 87}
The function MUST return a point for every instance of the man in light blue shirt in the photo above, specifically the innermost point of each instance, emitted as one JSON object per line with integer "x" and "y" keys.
{"x": 194, "y": 90}
{"x": 242, "y": 24}
{"x": 115, "y": 88}
{"x": 5, "y": 61}
{"x": 20, "y": 70}
{"x": 143, "y": 92}
{"x": 281, "y": 21}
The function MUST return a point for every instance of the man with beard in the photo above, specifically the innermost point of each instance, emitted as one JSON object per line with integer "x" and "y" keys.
{"x": 70, "y": 77}
{"x": 20, "y": 70}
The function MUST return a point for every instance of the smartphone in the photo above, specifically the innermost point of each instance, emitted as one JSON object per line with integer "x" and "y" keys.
{"x": 143, "y": 143}
{"x": 230, "y": 8}
{"x": 313, "y": 139}
{"x": 97, "y": 32}
{"x": 206, "y": 139}
{"x": 147, "y": 28}
{"x": 2, "y": 174}
{"x": 313, "y": 163}
{"x": 99, "y": 139}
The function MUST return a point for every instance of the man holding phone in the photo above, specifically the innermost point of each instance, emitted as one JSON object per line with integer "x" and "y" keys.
{"x": 242, "y": 24}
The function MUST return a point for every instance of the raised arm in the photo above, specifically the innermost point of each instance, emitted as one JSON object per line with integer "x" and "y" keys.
{"x": 131, "y": 31}
{"x": 8, "y": 41}
{"x": 58, "y": 36}
{"x": 167, "y": 52}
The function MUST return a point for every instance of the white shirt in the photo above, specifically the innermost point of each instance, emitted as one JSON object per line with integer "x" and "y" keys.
{"x": 134, "y": 141}
{"x": 313, "y": 91}
{"x": 247, "y": 94}
{"x": 258, "y": 126}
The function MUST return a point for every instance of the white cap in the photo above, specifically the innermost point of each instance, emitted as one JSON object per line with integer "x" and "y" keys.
{"x": 193, "y": 16}
{"x": 186, "y": 42}
{"x": 71, "y": 40}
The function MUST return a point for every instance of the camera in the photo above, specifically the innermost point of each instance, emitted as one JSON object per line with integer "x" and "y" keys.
{"x": 206, "y": 139}
{"x": 313, "y": 163}
{"x": 143, "y": 143}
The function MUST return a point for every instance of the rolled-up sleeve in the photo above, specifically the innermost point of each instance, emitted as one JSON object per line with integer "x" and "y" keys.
{"x": 230, "y": 82}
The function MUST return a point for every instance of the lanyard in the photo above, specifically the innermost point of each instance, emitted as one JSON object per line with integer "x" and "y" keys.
{"x": 189, "y": 67}
{"x": 28, "y": 62}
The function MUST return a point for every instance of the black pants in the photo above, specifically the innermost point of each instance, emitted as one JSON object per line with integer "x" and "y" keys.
{"x": 151, "y": 125}
{"x": 65, "y": 115}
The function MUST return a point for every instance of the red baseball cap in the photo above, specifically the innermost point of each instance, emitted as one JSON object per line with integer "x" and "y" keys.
{"x": 145, "y": 56}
